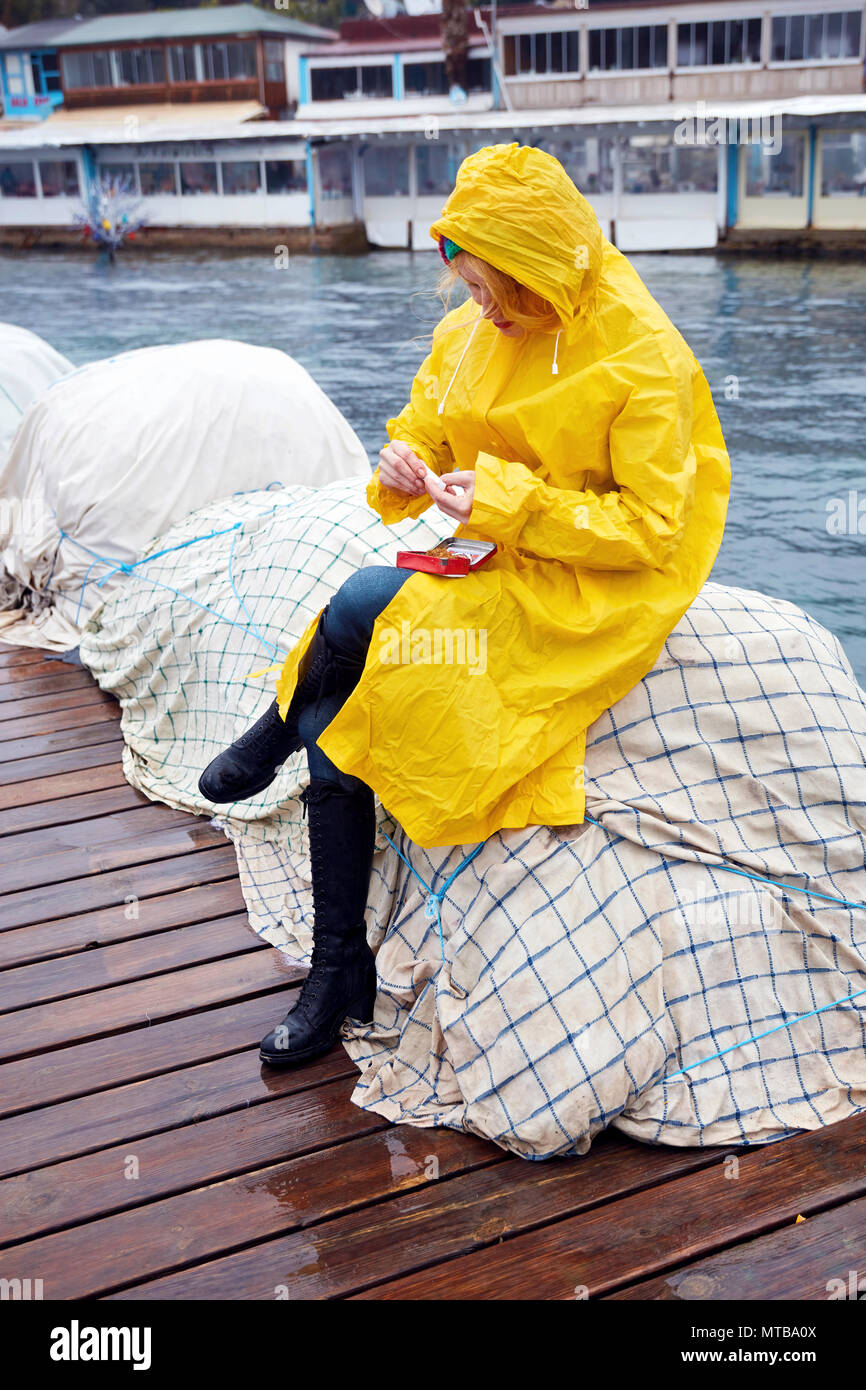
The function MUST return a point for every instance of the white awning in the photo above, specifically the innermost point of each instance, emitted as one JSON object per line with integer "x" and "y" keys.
{"x": 130, "y": 125}
{"x": 127, "y": 125}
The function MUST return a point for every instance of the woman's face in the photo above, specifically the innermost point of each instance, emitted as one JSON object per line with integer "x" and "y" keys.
{"x": 482, "y": 296}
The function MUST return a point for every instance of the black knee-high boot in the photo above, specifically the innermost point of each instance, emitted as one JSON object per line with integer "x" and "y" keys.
{"x": 251, "y": 763}
{"x": 342, "y": 979}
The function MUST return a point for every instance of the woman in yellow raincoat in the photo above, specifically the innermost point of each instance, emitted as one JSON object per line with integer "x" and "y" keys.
{"x": 582, "y": 435}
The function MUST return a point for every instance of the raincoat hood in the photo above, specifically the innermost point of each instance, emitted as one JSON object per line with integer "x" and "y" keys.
{"x": 515, "y": 207}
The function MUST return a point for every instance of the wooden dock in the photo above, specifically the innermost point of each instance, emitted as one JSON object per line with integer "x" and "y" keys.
{"x": 146, "y": 1153}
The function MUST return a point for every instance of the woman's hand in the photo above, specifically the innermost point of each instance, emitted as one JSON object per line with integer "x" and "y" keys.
{"x": 401, "y": 469}
{"x": 452, "y": 503}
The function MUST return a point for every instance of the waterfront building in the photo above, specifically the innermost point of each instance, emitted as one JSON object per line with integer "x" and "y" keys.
{"x": 688, "y": 124}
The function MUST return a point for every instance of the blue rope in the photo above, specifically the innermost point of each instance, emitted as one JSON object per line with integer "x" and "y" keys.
{"x": 434, "y": 898}
{"x": 798, "y": 1018}
{"x": 126, "y": 567}
{"x": 788, "y": 1023}
{"x": 759, "y": 878}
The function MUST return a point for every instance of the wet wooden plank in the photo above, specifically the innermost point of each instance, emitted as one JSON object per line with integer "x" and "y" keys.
{"x": 110, "y": 889}
{"x": 643, "y": 1234}
{"x": 85, "y": 695}
{"x": 139, "y": 1003}
{"x": 56, "y": 741}
{"x": 66, "y": 809}
{"x": 65, "y": 866}
{"x": 811, "y": 1260}
{"x": 61, "y": 785}
{"x": 84, "y": 1068}
{"x": 11, "y": 655}
{"x": 22, "y": 770}
{"x": 65, "y": 1175}
{"x": 88, "y": 834}
{"x": 196, "y": 1225}
{"x": 126, "y": 961}
{"x": 61, "y": 680}
{"x": 13, "y": 673}
{"x": 82, "y": 716}
{"x": 120, "y": 922}
{"x": 440, "y": 1221}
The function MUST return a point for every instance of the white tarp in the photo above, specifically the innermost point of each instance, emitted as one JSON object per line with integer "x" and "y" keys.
{"x": 118, "y": 451}
{"x": 640, "y": 970}
{"x": 28, "y": 366}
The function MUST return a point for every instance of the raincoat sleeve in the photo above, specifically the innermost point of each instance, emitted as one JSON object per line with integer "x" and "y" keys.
{"x": 636, "y": 524}
{"x": 420, "y": 426}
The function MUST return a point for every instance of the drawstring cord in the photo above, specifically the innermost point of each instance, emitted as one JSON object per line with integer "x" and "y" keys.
{"x": 459, "y": 364}
{"x": 434, "y": 898}
{"x": 555, "y": 368}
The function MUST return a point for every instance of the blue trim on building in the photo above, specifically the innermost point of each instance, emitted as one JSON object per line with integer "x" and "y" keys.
{"x": 397, "y": 79}
{"x": 311, "y": 181}
{"x": 38, "y": 104}
{"x": 303, "y": 79}
{"x": 813, "y": 151}
{"x": 733, "y": 183}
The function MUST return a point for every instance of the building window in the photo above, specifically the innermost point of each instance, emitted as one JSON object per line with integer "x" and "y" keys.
{"x": 816, "y": 38}
{"x": 478, "y": 74}
{"x": 123, "y": 176}
{"x": 275, "y": 70}
{"x": 843, "y": 164}
{"x": 285, "y": 176}
{"x": 540, "y": 53}
{"x": 779, "y": 174}
{"x": 198, "y": 176}
{"x": 377, "y": 81}
{"x": 89, "y": 69}
{"x": 181, "y": 63}
{"x": 59, "y": 178}
{"x": 436, "y": 165}
{"x": 335, "y": 172}
{"x": 241, "y": 176}
{"x": 346, "y": 83}
{"x": 14, "y": 74}
{"x": 424, "y": 79}
{"x": 588, "y": 161}
{"x": 655, "y": 164}
{"x": 719, "y": 43}
{"x": 386, "y": 171}
{"x": 17, "y": 179}
{"x": 46, "y": 74}
{"x": 140, "y": 67}
{"x": 157, "y": 179}
{"x": 224, "y": 62}
{"x": 623, "y": 50}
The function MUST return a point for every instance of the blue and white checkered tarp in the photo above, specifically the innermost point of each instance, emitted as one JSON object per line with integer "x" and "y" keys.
{"x": 628, "y": 971}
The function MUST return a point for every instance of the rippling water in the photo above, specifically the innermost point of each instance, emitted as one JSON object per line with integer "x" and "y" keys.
{"x": 783, "y": 345}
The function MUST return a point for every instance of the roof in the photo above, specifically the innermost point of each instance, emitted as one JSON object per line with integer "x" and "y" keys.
{"x": 224, "y": 121}
{"x": 211, "y": 22}
{"x": 342, "y": 47}
{"x": 45, "y": 34}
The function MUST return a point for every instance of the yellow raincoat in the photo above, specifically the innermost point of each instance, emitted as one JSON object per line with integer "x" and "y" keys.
{"x": 602, "y": 475}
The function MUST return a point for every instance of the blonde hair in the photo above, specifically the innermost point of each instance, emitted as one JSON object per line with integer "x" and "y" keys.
{"x": 515, "y": 302}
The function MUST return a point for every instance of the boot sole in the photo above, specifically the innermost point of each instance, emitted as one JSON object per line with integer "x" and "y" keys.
{"x": 290, "y": 1059}
{"x": 250, "y": 791}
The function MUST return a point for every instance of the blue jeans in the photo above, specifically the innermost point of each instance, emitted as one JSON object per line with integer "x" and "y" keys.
{"x": 351, "y": 615}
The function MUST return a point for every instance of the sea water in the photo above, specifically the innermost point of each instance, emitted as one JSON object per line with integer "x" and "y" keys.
{"x": 782, "y": 343}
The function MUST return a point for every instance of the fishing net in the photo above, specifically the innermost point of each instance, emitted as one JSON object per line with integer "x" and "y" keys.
{"x": 688, "y": 965}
